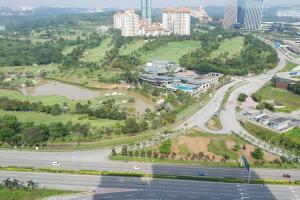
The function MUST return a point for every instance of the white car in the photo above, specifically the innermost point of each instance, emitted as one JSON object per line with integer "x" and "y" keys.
{"x": 136, "y": 167}
{"x": 55, "y": 163}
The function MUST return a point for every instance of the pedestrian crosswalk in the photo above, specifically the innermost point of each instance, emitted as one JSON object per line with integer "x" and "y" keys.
{"x": 113, "y": 190}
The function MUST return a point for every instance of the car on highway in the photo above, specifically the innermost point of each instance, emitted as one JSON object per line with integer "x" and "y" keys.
{"x": 201, "y": 174}
{"x": 142, "y": 183}
{"x": 286, "y": 176}
{"x": 136, "y": 167}
{"x": 56, "y": 163}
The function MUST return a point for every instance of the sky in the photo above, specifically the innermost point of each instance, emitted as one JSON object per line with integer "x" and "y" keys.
{"x": 125, "y": 3}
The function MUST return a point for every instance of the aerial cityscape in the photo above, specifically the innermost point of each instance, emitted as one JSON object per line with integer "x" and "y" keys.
{"x": 150, "y": 100}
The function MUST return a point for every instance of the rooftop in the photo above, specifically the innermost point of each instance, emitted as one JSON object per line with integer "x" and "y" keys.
{"x": 279, "y": 120}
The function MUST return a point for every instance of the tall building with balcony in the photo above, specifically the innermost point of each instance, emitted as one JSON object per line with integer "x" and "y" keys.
{"x": 146, "y": 7}
{"x": 244, "y": 14}
{"x": 127, "y": 22}
{"x": 178, "y": 21}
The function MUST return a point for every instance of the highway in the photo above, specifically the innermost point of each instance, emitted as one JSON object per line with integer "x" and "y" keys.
{"x": 90, "y": 160}
{"x": 101, "y": 187}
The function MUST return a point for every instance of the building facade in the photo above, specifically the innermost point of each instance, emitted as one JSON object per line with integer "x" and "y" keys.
{"x": 146, "y": 8}
{"x": 243, "y": 14}
{"x": 178, "y": 21}
{"x": 127, "y": 22}
{"x": 230, "y": 14}
{"x": 250, "y": 14}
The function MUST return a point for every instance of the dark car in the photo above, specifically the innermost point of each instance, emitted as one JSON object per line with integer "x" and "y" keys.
{"x": 286, "y": 176}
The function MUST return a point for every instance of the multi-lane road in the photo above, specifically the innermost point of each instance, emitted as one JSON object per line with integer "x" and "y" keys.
{"x": 93, "y": 161}
{"x": 129, "y": 188}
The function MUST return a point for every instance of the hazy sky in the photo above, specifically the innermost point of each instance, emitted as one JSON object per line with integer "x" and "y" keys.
{"x": 124, "y": 3}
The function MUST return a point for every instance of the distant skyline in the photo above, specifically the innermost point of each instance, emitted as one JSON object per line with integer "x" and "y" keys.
{"x": 125, "y": 3}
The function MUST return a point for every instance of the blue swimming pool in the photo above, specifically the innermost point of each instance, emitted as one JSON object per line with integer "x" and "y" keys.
{"x": 184, "y": 88}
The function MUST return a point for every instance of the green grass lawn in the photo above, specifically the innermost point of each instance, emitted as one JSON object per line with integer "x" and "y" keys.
{"x": 46, "y": 100}
{"x": 97, "y": 54}
{"x": 130, "y": 48}
{"x": 43, "y": 118}
{"x": 173, "y": 51}
{"x": 6, "y": 194}
{"x": 289, "y": 66}
{"x": 183, "y": 149}
{"x": 294, "y": 135}
{"x": 289, "y": 99}
{"x": 116, "y": 140}
{"x": 232, "y": 46}
{"x": 33, "y": 69}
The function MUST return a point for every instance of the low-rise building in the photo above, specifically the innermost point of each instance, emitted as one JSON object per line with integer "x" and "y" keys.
{"x": 165, "y": 74}
{"x": 280, "y": 123}
{"x": 286, "y": 79}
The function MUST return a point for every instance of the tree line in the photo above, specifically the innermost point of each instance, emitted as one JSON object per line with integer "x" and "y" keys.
{"x": 108, "y": 109}
{"x": 26, "y": 106}
{"x": 16, "y": 133}
{"x": 255, "y": 57}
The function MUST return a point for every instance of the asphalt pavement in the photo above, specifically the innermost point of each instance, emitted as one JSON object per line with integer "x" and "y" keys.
{"x": 89, "y": 160}
{"x": 101, "y": 187}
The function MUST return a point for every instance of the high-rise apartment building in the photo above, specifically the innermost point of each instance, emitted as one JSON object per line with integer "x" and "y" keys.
{"x": 230, "y": 14}
{"x": 127, "y": 22}
{"x": 177, "y": 21}
{"x": 244, "y": 14}
{"x": 146, "y": 7}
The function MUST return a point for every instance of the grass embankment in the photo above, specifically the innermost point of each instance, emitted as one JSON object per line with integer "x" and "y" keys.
{"x": 43, "y": 118}
{"x": 86, "y": 77}
{"x": 105, "y": 142}
{"x": 143, "y": 175}
{"x": 34, "y": 69}
{"x": 268, "y": 135}
{"x": 97, "y": 54}
{"x": 6, "y": 194}
{"x": 214, "y": 123}
{"x": 173, "y": 51}
{"x": 287, "y": 98}
{"x": 232, "y": 46}
{"x": 132, "y": 47}
{"x": 289, "y": 66}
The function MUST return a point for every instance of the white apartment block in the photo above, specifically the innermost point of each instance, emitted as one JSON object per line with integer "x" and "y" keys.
{"x": 127, "y": 22}
{"x": 177, "y": 21}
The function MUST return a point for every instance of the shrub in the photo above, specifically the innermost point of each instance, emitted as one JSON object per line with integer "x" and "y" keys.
{"x": 242, "y": 97}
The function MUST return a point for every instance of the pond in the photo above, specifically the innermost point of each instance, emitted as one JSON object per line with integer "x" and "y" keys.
{"x": 78, "y": 93}
{"x": 55, "y": 88}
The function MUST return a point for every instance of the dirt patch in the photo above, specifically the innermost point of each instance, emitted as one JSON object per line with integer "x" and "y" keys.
{"x": 214, "y": 124}
{"x": 195, "y": 145}
{"x": 230, "y": 144}
{"x": 268, "y": 157}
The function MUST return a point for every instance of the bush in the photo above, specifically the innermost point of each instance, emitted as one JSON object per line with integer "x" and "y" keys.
{"x": 256, "y": 97}
{"x": 258, "y": 154}
{"x": 242, "y": 97}
{"x": 269, "y": 106}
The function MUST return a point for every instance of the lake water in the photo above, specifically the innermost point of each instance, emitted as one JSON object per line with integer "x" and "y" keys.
{"x": 77, "y": 93}
{"x": 54, "y": 88}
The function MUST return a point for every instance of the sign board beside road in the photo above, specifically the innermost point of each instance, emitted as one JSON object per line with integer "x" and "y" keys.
{"x": 247, "y": 166}
{"x": 246, "y": 163}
